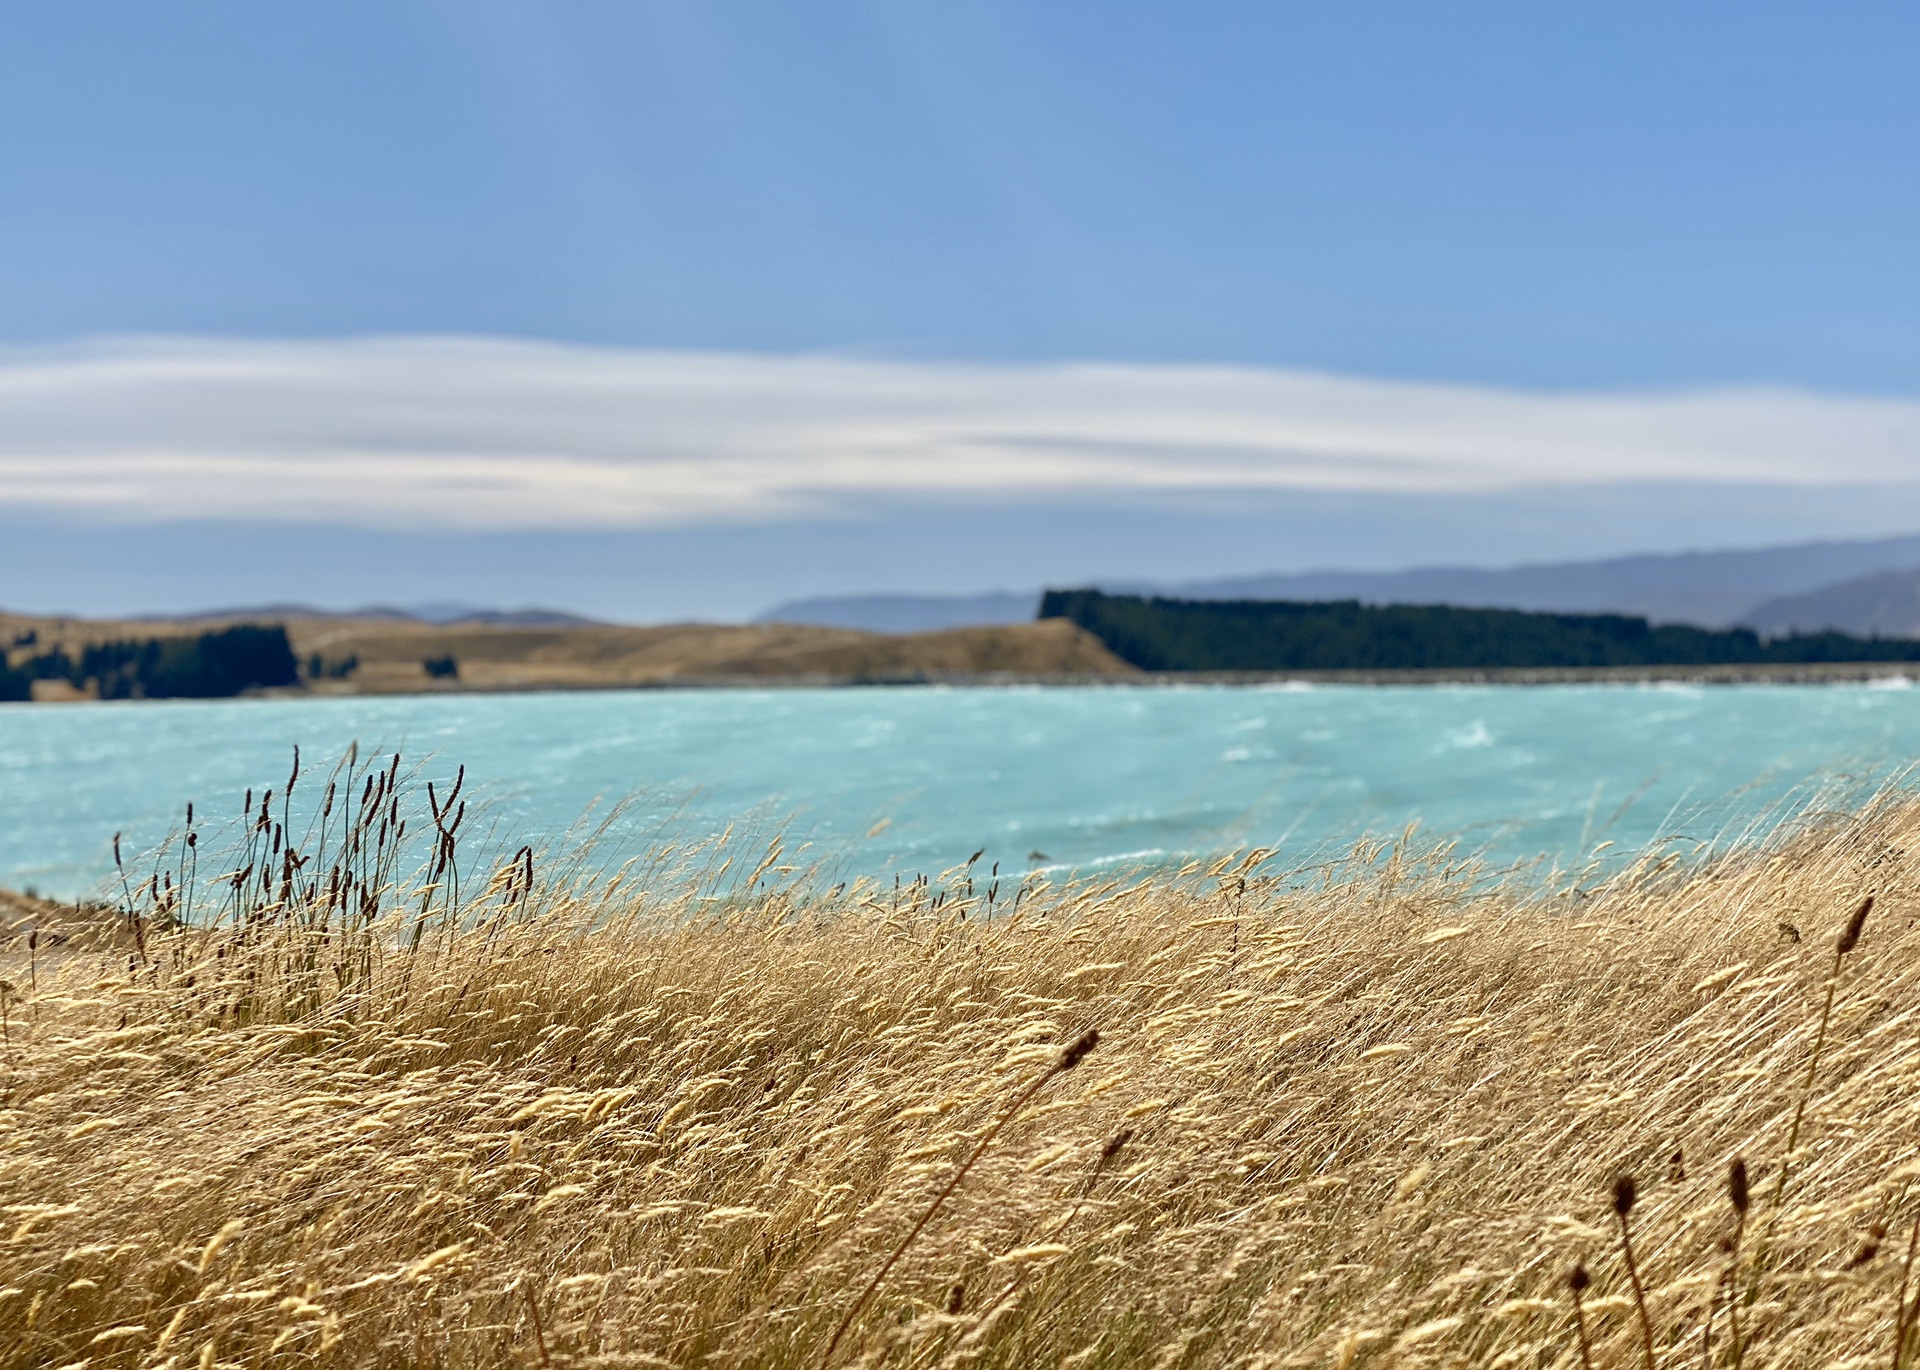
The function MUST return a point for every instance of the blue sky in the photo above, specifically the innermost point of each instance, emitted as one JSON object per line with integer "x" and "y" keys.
{"x": 1617, "y": 200}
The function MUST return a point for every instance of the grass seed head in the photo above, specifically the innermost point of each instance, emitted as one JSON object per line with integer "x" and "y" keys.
{"x": 1737, "y": 1192}
{"x": 1869, "y": 1247}
{"x": 1078, "y": 1048}
{"x": 1625, "y": 1191}
{"x": 1850, "y": 935}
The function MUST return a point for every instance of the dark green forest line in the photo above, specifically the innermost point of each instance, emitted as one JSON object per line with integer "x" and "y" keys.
{"x": 1344, "y": 635}
{"x": 212, "y": 665}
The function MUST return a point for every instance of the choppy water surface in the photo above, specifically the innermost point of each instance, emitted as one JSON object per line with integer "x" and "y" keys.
{"x": 917, "y": 779}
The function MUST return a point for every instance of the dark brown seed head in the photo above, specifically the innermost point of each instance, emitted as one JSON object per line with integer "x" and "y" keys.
{"x": 1625, "y": 1191}
{"x": 1078, "y": 1048}
{"x": 1114, "y": 1143}
{"x": 1850, "y": 935}
{"x": 956, "y": 1298}
{"x": 1869, "y": 1247}
{"x": 1737, "y": 1186}
{"x": 1577, "y": 1278}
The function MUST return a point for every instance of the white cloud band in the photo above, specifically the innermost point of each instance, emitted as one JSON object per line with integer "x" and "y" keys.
{"x": 480, "y": 433}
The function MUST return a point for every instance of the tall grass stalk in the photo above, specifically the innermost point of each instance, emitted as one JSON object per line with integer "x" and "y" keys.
{"x": 1625, "y": 1193}
{"x": 1903, "y": 1312}
{"x": 1848, "y": 939}
{"x": 1069, "y": 1057}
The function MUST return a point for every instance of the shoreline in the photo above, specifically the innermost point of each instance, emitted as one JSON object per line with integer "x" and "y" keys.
{"x": 1506, "y": 676}
{"x": 1819, "y": 673}
{"x": 1510, "y": 676}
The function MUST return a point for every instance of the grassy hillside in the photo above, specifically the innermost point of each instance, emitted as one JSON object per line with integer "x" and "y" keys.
{"x": 707, "y": 1114}
{"x": 390, "y": 654}
{"x": 386, "y": 656}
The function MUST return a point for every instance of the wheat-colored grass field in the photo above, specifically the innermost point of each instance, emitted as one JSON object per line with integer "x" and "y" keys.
{"x": 697, "y": 1114}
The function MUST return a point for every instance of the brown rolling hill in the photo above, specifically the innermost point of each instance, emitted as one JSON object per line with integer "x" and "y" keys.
{"x": 392, "y": 653}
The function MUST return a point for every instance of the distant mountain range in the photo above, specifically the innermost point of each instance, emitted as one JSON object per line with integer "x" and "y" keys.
{"x": 1862, "y": 587}
{"x": 438, "y": 613}
{"x": 1884, "y": 604}
{"x": 908, "y": 613}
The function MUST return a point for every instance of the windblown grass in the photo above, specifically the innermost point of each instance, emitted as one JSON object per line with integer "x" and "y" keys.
{"x": 1368, "y": 1115}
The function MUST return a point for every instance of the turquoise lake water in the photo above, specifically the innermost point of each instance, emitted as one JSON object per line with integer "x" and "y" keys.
{"x": 1075, "y": 777}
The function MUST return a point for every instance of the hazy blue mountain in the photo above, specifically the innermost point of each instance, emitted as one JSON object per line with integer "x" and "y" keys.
{"x": 1708, "y": 589}
{"x": 906, "y": 613}
{"x": 268, "y": 612}
{"x": 450, "y": 612}
{"x": 517, "y": 618}
{"x": 438, "y": 612}
{"x": 1884, "y": 604}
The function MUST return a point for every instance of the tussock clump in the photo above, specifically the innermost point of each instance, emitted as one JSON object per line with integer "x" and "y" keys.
{"x": 1367, "y": 1115}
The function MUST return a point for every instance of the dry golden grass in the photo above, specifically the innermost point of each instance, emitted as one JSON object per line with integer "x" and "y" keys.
{"x": 1368, "y": 1115}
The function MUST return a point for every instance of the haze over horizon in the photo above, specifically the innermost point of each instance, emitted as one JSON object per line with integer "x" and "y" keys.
{"x": 671, "y": 311}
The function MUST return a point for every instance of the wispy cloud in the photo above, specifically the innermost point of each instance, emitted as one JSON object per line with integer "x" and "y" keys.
{"x": 484, "y": 433}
